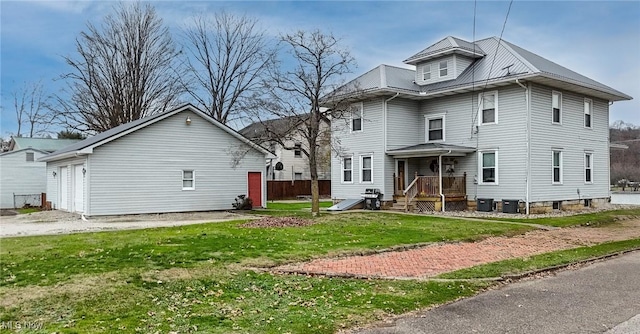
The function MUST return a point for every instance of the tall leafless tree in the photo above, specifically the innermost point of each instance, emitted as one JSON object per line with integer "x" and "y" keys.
{"x": 304, "y": 83}
{"x": 227, "y": 56}
{"x": 29, "y": 103}
{"x": 124, "y": 71}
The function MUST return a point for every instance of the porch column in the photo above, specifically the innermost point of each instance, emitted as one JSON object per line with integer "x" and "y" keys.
{"x": 440, "y": 182}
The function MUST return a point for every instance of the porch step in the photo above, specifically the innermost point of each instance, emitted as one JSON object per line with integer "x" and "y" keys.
{"x": 399, "y": 206}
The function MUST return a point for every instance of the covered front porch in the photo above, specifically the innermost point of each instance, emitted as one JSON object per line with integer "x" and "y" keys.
{"x": 430, "y": 177}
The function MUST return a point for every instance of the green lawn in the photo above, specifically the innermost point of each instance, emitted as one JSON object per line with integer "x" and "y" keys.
{"x": 198, "y": 278}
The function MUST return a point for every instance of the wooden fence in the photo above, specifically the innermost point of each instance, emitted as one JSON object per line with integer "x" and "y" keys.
{"x": 277, "y": 190}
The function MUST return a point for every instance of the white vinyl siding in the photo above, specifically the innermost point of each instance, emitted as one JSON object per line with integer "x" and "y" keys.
{"x": 556, "y": 167}
{"x": 488, "y": 170}
{"x": 488, "y": 111}
{"x": 588, "y": 110}
{"x": 574, "y": 140}
{"x": 366, "y": 170}
{"x": 347, "y": 169}
{"x": 556, "y": 107}
{"x": 188, "y": 180}
{"x": 155, "y": 157}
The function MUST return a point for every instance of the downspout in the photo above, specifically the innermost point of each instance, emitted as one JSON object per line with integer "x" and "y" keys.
{"x": 440, "y": 179}
{"x": 384, "y": 131}
{"x": 528, "y": 135}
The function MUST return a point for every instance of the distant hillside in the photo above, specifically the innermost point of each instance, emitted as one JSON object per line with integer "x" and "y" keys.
{"x": 625, "y": 164}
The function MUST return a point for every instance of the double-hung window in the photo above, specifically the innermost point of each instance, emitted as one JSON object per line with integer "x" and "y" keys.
{"x": 443, "y": 68}
{"x": 435, "y": 127}
{"x": 588, "y": 167}
{"x": 297, "y": 150}
{"x": 488, "y": 107}
{"x": 556, "y": 167}
{"x": 347, "y": 169}
{"x": 366, "y": 164}
{"x": 426, "y": 72}
{"x": 556, "y": 107}
{"x": 356, "y": 117}
{"x": 588, "y": 108}
{"x": 489, "y": 167}
{"x": 188, "y": 180}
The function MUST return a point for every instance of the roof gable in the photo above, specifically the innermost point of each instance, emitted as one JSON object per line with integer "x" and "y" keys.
{"x": 447, "y": 45}
{"x": 86, "y": 146}
{"x": 43, "y": 144}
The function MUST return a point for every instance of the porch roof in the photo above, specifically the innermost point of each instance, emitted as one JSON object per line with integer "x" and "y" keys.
{"x": 429, "y": 150}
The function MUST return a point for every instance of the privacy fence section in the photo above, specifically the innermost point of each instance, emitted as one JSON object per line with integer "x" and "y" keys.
{"x": 277, "y": 190}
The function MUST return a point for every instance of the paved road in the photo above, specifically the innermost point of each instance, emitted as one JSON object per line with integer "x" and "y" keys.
{"x": 602, "y": 297}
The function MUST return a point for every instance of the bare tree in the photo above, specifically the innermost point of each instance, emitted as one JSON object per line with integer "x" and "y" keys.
{"x": 227, "y": 56}
{"x": 124, "y": 71}
{"x": 299, "y": 90}
{"x": 29, "y": 103}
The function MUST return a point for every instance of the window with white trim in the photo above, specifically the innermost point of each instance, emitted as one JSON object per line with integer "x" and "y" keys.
{"x": 297, "y": 150}
{"x": 30, "y": 157}
{"x": 588, "y": 109}
{"x": 366, "y": 171}
{"x": 188, "y": 180}
{"x": 443, "y": 68}
{"x": 434, "y": 127}
{"x": 347, "y": 169}
{"x": 556, "y": 107}
{"x": 426, "y": 72}
{"x": 489, "y": 167}
{"x": 488, "y": 107}
{"x": 588, "y": 167}
{"x": 556, "y": 172}
{"x": 356, "y": 117}
{"x": 298, "y": 176}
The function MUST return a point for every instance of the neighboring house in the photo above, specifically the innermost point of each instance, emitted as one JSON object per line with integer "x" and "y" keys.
{"x": 43, "y": 144}
{"x": 485, "y": 120}
{"x": 177, "y": 161}
{"x": 23, "y": 177}
{"x": 290, "y": 163}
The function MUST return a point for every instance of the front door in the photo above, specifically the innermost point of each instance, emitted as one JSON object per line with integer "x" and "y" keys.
{"x": 401, "y": 177}
{"x": 255, "y": 188}
{"x": 64, "y": 189}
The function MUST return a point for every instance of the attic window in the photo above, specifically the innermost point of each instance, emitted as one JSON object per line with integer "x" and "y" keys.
{"x": 443, "y": 68}
{"x": 356, "y": 117}
{"x": 426, "y": 72}
{"x": 30, "y": 156}
{"x": 297, "y": 150}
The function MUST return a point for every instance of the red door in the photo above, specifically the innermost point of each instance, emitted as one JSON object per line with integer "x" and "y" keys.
{"x": 255, "y": 188}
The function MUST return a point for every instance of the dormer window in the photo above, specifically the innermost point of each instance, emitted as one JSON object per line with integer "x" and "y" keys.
{"x": 426, "y": 72}
{"x": 443, "y": 68}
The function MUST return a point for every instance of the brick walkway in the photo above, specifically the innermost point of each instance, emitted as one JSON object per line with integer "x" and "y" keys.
{"x": 440, "y": 258}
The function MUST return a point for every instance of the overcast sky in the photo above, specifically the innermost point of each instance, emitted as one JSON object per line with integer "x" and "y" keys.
{"x": 598, "y": 39}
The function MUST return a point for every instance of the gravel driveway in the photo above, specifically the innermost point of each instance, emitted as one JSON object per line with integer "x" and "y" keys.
{"x": 60, "y": 222}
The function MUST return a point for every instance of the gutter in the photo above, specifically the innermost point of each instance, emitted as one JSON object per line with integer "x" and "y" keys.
{"x": 527, "y": 91}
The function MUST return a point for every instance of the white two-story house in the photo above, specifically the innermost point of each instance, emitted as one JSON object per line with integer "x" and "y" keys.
{"x": 285, "y": 137}
{"x": 486, "y": 121}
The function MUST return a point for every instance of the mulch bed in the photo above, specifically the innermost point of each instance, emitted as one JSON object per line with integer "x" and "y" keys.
{"x": 269, "y": 222}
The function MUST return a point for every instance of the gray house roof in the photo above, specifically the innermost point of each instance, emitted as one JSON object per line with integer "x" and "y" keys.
{"x": 86, "y": 146}
{"x": 43, "y": 144}
{"x": 257, "y": 131}
{"x": 503, "y": 63}
{"x": 447, "y": 45}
